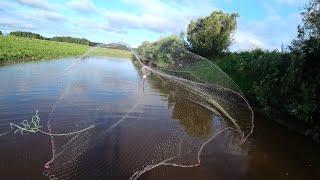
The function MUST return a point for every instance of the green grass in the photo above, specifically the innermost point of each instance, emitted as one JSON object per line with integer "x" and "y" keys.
{"x": 110, "y": 52}
{"x": 18, "y": 49}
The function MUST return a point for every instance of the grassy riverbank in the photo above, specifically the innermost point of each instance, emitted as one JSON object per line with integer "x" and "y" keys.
{"x": 281, "y": 84}
{"x": 18, "y": 49}
{"x": 110, "y": 52}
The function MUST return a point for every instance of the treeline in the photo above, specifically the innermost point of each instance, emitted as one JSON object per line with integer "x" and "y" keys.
{"x": 72, "y": 40}
{"x": 279, "y": 83}
{"x": 68, "y": 39}
{"x": 117, "y": 46}
{"x": 27, "y": 34}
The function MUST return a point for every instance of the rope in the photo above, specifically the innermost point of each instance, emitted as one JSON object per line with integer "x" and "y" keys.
{"x": 33, "y": 126}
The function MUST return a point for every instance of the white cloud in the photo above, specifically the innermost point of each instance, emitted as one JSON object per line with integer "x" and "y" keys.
{"x": 124, "y": 20}
{"x": 39, "y": 16}
{"x": 83, "y": 6}
{"x": 51, "y": 16}
{"x": 40, "y": 4}
{"x": 85, "y": 23}
{"x": 268, "y": 33}
{"x": 157, "y": 16}
{"x": 152, "y": 6}
{"x": 13, "y": 24}
{"x": 244, "y": 40}
{"x": 292, "y": 2}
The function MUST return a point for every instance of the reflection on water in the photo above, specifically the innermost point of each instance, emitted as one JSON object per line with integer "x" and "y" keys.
{"x": 137, "y": 133}
{"x": 197, "y": 121}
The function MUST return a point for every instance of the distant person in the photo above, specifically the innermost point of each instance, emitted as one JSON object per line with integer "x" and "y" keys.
{"x": 144, "y": 77}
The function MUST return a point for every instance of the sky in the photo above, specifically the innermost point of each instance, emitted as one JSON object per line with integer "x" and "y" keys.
{"x": 262, "y": 23}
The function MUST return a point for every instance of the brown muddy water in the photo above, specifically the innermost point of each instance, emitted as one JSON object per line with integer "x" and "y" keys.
{"x": 149, "y": 132}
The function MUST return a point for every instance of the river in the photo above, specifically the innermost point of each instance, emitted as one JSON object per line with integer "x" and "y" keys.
{"x": 145, "y": 130}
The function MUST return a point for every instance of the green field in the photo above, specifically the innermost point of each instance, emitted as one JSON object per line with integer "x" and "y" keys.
{"x": 17, "y": 49}
{"x": 110, "y": 52}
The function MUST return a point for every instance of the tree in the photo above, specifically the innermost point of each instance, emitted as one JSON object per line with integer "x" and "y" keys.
{"x": 0, "y": 33}
{"x": 309, "y": 32}
{"x": 211, "y": 35}
{"x": 305, "y": 69}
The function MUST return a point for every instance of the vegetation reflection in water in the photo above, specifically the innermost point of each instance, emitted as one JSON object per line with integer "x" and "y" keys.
{"x": 196, "y": 121}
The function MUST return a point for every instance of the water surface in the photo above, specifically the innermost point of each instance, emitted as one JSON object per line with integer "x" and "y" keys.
{"x": 137, "y": 126}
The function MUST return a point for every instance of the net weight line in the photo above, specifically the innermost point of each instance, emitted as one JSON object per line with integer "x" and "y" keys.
{"x": 33, "y": 126}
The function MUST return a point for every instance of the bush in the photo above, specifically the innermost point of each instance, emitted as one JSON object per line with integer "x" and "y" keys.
{"x": 163, "y": 52}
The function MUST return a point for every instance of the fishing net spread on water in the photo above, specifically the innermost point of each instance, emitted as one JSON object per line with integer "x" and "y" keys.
{"x": 166, "y": 117}
{"x": 202, "y": 79}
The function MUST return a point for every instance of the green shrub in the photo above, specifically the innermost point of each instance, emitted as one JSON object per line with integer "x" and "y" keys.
{"x": 163, "y": 52}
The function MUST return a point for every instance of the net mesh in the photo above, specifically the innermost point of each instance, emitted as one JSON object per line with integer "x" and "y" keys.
{"x": 204, "y": 81}
{"x": 193, "y": 81}
{"x": 135, "y": 134}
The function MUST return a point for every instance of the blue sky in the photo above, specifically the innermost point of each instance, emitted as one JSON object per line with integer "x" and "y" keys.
{"x": 262, "y": 23}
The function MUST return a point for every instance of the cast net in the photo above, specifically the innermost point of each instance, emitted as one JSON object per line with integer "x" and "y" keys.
{"x": 133, "y": 136}
{"x": 201, "y": 78}
{"x": 180, "y": 103}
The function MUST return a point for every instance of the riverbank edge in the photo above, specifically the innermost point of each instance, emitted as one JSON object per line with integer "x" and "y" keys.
{"x": 285, "y": 121}
{"x": 54, "y": 58}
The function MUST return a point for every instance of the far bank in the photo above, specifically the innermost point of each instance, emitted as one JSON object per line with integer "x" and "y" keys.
{"x": 19, "y": 49}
